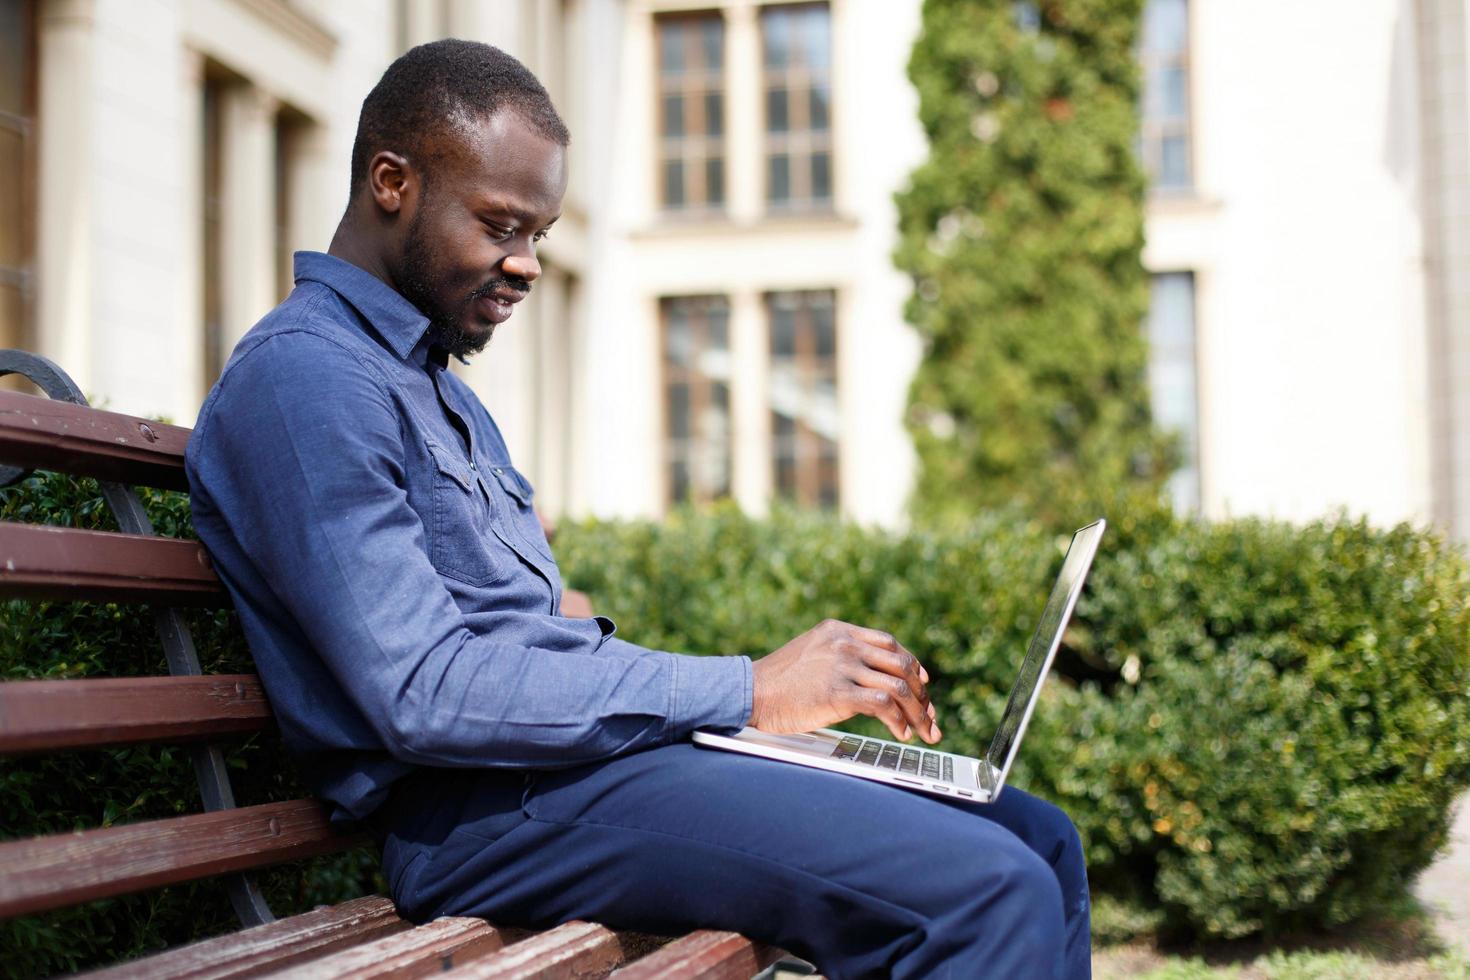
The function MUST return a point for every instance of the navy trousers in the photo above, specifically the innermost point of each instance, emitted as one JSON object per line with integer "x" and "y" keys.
{"x": 862, "y": 879}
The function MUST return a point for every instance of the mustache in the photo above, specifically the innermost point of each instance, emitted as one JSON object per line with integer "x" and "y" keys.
{"x": 515, "y": 283}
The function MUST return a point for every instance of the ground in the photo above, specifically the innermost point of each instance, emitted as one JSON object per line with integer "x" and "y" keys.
{"x": 1427, "y": 946}
{"x": 1445, "y": 888}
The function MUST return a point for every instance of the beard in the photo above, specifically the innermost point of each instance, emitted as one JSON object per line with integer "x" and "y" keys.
{"x": 446, "y": 324}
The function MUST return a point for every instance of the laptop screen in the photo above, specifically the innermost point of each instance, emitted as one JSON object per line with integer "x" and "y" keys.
{"x": 1043, "y": 648}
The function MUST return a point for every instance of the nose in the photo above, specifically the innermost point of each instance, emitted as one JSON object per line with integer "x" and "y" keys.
{"x": 522, "y": 264}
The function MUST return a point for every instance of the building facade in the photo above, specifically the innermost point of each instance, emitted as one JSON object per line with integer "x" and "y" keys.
{"x": 720, "y": 316}
{"x": 1307, "y": 230}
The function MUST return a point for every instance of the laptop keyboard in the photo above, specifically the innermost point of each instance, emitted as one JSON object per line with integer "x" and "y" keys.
{"x": 886, "y": 755}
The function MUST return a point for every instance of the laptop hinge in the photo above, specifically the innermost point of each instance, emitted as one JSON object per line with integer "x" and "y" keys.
{"x": 986, "y": 776}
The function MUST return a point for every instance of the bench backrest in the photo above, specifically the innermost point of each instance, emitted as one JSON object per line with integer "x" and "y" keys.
{"x": 62, "y": 434}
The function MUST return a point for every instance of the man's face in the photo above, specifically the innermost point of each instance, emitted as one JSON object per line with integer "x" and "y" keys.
{"x": 469, "y": 254}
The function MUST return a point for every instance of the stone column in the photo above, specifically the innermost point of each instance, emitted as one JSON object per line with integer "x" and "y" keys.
{"x": 637, "y": 201}
{"x": 552, "y": 411}
{"x": 848, "y": 132}
{"x": 744, "y": 140}
{"x": 549, "y": 49}
{"x": 316, "y": 189}
{"x": 247, "y": 210}
{"x": 425, "y": 21}
{"x": 64, "y": 231}
{"x": 188, "y": 334}
{"x": 749, "y": 402}
{"x": 1443, "y": 75}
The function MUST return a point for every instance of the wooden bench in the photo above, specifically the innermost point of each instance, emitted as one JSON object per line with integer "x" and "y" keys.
{"x": 359, "y": 938}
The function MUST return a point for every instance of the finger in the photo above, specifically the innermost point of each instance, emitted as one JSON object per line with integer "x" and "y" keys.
{"x": 881, "y": 705}
{"x": 876, "y": 638}
{"x": 915, "y": 713}
{"x": 901, "y": 663}
{"x": 887, "y": 641}
{"x": 923, "y": 674}
{"x": 924, "y": 678}
{"x": 898, "y": 663}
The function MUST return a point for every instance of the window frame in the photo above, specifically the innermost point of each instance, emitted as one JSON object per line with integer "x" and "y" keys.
{"x": 692, "y": 150}
{"x": 1192, "y": 460}
{"x": 800, "y": 146}
{"x": 700, "y": 387}
{"x": 26, "y": 124}
{"x": 811, "y": 369}
{"x": 1153, "y": 131}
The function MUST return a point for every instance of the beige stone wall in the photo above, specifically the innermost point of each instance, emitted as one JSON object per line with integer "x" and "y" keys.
{"x": 1444, "y": 80}
{"x": 1325, "y": 232}
{"x": 1307, "y": 237}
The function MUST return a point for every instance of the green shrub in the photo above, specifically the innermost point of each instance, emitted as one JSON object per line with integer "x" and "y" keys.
{"x": 1255, "y": 726}
{"x": 81, "y": 790}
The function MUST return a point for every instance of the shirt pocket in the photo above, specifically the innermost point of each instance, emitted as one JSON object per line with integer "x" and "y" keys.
{"x": 520, "y": 515}
{"x": 462, "y": 547}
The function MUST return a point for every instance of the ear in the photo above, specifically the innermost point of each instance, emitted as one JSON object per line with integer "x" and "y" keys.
{"x": 392, "y": 182}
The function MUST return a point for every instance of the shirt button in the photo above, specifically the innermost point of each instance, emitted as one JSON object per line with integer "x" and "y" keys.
{"x": 472, "y": 464}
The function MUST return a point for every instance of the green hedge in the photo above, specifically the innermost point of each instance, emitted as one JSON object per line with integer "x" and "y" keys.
{"x": 51, "y": 794}
{"x": 1255, "y": 726}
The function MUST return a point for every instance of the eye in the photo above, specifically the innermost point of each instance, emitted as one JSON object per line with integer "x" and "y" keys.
{"x": 498, "y": 233}
{"x": 540, "y": 236}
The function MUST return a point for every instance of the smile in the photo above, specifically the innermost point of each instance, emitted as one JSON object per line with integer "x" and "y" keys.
{"x": 498, "y": 306}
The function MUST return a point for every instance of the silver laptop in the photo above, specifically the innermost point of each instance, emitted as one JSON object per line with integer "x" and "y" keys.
{"x": 915, "y": 766}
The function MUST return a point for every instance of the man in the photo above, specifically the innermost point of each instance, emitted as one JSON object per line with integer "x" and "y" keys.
{"x": 403, "y": 606}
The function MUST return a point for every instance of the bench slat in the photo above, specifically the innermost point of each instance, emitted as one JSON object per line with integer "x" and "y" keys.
{"x": 66, "y": 869}
{"x": 704, "y": 955}
{"x": 40, "y": 562}
{"x": 575, "y": 949}
{"x": 39, "y": 433}
{"x": 46, "y": 716}
{"x": 431, "y": 948}
{"x": 251, "y": 952}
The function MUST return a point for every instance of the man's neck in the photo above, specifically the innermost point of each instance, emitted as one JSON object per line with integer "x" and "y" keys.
{"x": 350, "y": 245}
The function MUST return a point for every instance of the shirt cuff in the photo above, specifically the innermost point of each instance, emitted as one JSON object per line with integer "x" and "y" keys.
{"x": 710, "y": 692}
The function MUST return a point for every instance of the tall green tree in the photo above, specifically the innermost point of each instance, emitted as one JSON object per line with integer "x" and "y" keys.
{"x": 1023, "y": 232}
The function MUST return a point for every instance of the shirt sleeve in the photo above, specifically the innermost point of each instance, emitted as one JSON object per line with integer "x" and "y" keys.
{"x": 303, "y": 457}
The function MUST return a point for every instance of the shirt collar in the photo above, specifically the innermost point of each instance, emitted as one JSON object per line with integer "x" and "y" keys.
{"x": 385, "y": 309}
{"x": 425, "y": 354}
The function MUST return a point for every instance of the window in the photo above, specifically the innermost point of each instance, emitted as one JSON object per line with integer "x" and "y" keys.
{"x": 1165, "y": 133}
{"x": 1172, "y": 377}
{"x": 17, "y": 149}
{"x": 691, "y": 112}
{"x": 797, "y": 75}
{"x": 696, "y": 355}
{"x": 805, "y": 419}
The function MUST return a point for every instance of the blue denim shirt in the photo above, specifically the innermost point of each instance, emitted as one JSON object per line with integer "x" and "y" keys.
{"x": 392, "y": 579}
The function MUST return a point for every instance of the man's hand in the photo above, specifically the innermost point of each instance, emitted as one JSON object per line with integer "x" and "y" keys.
{"x": 836, "y": 670}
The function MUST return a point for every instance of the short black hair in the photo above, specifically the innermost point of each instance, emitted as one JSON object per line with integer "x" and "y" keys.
{"x": 442, "y": 83}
